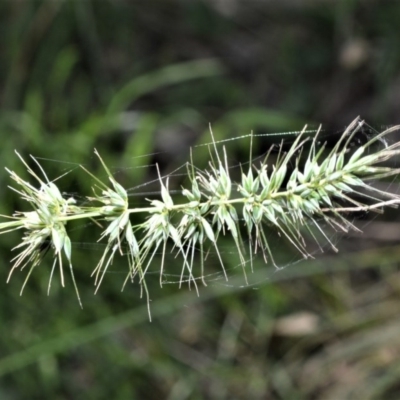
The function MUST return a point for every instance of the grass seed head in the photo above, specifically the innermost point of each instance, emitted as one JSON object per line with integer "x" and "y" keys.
{"x": 286, "y": 195}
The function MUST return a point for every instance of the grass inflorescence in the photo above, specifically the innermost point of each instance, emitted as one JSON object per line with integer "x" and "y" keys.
{"x": 291, "y": 195}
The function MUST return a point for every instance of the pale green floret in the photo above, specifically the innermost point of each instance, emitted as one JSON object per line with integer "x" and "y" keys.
{"x": 44, "y": 226}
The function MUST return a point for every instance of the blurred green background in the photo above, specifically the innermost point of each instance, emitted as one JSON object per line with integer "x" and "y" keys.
{"x": 141, "y": 81}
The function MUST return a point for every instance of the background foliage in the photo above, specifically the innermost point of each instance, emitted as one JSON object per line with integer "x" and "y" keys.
{"x": 141, "y": 81}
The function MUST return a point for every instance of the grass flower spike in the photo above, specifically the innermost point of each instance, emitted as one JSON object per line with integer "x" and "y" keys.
{"x": 307, "y": 186}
